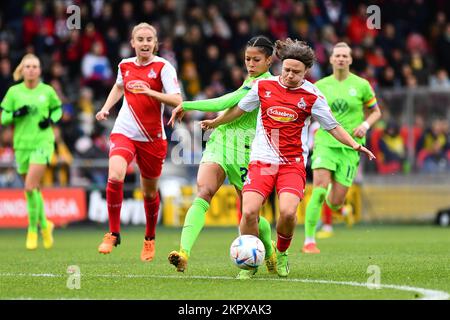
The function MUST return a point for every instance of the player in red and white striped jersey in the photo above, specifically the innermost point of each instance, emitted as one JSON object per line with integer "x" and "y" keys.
{"x": 147, "y": 82}
{"x": 279, "y": 150}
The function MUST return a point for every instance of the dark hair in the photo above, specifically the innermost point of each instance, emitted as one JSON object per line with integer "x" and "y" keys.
{"x": 263, "y": 43}
{"x": 295, "y": 49}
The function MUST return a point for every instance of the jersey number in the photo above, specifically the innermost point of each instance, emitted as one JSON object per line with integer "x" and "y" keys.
{"x": 244, "y": 172}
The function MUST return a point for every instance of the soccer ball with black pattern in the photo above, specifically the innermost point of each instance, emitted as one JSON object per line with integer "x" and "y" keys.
{"x": 247, "y": 252}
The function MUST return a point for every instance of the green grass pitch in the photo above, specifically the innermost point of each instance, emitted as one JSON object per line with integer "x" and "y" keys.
{"x": 410, "y": 259}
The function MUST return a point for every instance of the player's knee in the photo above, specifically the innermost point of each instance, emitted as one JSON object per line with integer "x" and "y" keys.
{"x": 205, "y": 192}
{"x": 116, "y": 175}
{"x": 149, "y": 194}
{"x": 289, "y": 214}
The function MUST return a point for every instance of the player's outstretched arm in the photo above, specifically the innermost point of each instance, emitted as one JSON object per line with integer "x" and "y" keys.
{"x": 227, "y": 116}
{"x": 114, "y": 95}
{"x": 342, "y": 136}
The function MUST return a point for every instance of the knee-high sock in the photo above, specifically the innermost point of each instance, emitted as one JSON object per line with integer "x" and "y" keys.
{"x": 41, "y": 210}
{"x": 283, "y": 242}
{"x": 114, "y": 197}
{"x": 265, "y": 234}
{"x": 313, "y": 210}
{"x": 32, "y": 208}
{"x": 151, "y": 207}
{"x": 193, "y": 224}
{"x": 327, "y": 216}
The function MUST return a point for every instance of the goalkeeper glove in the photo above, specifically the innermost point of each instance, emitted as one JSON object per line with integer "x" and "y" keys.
{"x": 45, "y": 123}
{"x": 21, "y": 111}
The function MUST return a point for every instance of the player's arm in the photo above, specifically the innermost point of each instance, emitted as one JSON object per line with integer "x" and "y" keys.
{"x": 322, "y": 113}
{"x": 172, "y": 93}
{"x": 247, "y": 104}
{"x": 114, "y": 95}
{"x": 227, "y": 116}
{"x": 370, "y": 104}
{"x": 7, "y": 109}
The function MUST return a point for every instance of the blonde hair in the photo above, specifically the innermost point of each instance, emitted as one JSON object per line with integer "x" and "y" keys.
{"x": 145, "y": 25}
{"x": 342, "y": 45}
{"x": 17, "y": 74}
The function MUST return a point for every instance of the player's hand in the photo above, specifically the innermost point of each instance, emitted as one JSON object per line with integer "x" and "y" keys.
{"x": 177, "y": 114}
{"x": 22, "y": 111}
{"x": 45, "y": 123}
{"x": 142, "y": 89}
{"x": 360, "y": 131}
{"x": 102, "y": 115}
{"x": 363, "y": 149}
{"x": 208, "y": 124}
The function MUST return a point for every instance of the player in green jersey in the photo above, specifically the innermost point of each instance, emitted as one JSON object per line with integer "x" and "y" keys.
{"x": 32, "y": 106}
{"x": 335, "y": 165}
{"x": 227, "y": 154}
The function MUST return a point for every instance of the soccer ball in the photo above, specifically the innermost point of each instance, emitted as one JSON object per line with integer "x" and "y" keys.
{"x": 247, "y": 252}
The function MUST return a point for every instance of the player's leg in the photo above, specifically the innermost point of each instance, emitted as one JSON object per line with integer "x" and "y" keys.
{"x": 321, "y": 180}
{"x": 150, "y": 158}
{"x": 151, "y": 206}
{"x": 32, "y": 182}
{"x": 289, "y": 185}
{"x": 210, "y": 177}
{"x": 285, "y": 229}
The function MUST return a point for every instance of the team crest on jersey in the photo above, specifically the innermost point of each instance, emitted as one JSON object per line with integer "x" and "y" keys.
{"x": 302, "y": 104}
{"x": 152, "y": 74}
{"x": 282, "y": 114}
{"x": 352, "y": 92}
{"x": 135, "y": 86}
{"x": 268, "y": 94}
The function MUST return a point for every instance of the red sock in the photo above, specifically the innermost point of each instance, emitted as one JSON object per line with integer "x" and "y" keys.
{"x": 151, "y": 214}
{"x": 114, "y": 197}
{"x": 327, "y": 216}
{"x": 283, "y": 242}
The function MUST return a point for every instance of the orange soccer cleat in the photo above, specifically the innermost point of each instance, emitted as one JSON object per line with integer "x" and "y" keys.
{"x": 310, "y": 248}
{"x": 109, "y": 240}
{"x": 148, "y": 250}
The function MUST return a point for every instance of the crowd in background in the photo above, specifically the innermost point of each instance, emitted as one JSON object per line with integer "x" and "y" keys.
{"x": 205, "y": 40}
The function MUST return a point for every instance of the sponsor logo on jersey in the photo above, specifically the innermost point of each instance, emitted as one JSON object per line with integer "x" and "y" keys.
{"x": 282, "y": 114}
{"x": 152, "y": 74}
{"x": 126, "y": 73}
{"x": 268, "y": 93}
{"x": 352, "y": 92}
{"x": 302, "y": 104}
{"x": 135, "y": 86}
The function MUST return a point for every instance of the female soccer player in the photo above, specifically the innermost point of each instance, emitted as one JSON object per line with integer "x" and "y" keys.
{"x": 32, "y": 106}
{"x": 279, "y": 150}
{"x": 335, "y": 165}
{"x": 227, "y": 153}
{"x": 139, "y": 131}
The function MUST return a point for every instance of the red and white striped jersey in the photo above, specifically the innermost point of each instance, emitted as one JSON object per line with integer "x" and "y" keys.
{"x": 140, "y": 117}
{"x": 283, "y": 119}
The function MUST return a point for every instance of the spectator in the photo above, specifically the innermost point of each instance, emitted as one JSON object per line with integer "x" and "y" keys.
{"x": 433, "y": 154}
{"x": 440, "y": 80}
{"x": 393, "y": 148}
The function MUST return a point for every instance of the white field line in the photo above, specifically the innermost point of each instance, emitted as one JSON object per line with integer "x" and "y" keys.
{"x": 427, "y": 294}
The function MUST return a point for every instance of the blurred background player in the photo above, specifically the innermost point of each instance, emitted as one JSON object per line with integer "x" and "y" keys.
{"x": 227, "y": 154}
{"x": 32, "y": 106}
{"x": 279, "y": 150}
{"x": 139, "y": 131}
{"x": 334, "y": 164}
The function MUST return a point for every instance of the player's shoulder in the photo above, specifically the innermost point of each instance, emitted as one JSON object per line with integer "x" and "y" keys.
{"x": 355, "y": 79}
{"x": 311, "y": 88}
{"x": 126, "y": 61}
{"x": 324, "y": 80}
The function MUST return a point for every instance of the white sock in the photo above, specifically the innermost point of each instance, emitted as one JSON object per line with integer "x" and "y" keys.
{"x": 309, "y": 240}
{"x": 327, "y": 228}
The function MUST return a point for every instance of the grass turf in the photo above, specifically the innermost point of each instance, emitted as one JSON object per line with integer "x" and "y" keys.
{"x": 415, "y": 256}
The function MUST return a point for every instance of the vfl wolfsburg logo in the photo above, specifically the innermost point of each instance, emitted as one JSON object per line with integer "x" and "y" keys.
{"x": 339, "y": 106}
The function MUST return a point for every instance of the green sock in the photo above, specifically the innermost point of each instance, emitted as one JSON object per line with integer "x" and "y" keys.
{"x": 193, "y": 224}
{"x": 332, "y": 207}
{"x": 313, "y": 210}
{"x": 41, "y": 210}
{"x": 265, "y": 234}
{"x": 32, "y": 208}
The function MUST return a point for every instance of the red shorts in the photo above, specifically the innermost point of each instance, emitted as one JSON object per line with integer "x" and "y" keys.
{"x": 263, "y": 177}
{"x": 150, "y": 156}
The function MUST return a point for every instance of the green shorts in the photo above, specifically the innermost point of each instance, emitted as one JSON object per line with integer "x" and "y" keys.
{"x": 40, "y": 155}
{"x": 233, "y": 160}
{"x": 342, "y": 161}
